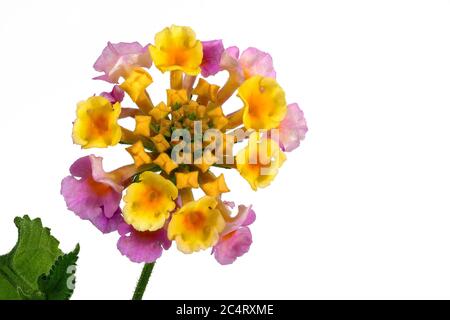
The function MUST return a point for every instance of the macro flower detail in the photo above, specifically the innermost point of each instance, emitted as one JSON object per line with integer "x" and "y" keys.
{"x": 236, "y": 239}
{"x": 264, "y": 103}
{"x": 118, "y": 59}
{"x": 176, "y": 48}
{"x": 230, "y": 61}
{"x": 212, "y": 53}
{"x": 116, "y": 95}
{"x": 149, "y": 201}
{"x": 96, "y": 124}
{"x": 255, "y": 62}
{"x": 292, "y": 129}
{"x": 258, "y": 163}
{"x": 144, "y": 246}
{"x": 93, "y": 194}
{"x": 252, "y": 62}
{"x": 181, "y": 147}
{"x": 197, "y": 225}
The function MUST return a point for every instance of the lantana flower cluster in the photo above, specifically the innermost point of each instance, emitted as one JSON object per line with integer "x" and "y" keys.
{"x": 180, "y": 145}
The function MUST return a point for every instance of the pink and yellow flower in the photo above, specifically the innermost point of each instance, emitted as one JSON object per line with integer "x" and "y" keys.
{"x": 259, "y": 162}
{"x": 292, "y": 129}
{"x": 159, "y": 204}
{"x": 212, "y": 53}
{"x": 176, "y": 48}
{"x": 149, "y": 201}
{"x": 197, "y": 225}
{"x": 93, "y": 194}
{"x": 144, "y": 246}
{"x": 116, "y": 95}
{"x": 236, "y": 239}
{"x": 264, "y": 103}
{"x": 96, "y": 124}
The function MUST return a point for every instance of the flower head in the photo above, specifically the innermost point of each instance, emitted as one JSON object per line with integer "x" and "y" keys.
{"x": 264, "y": 103}
{"x": 178, "y": 144}
{"x": 93, "y": 194}
{"x": 176, "y": 48}
{"x": 212, "y": 52}
{"x": 196, "y": 225}
{"x": 149, "y": 201}
{"x": 142, "y": 246}
{"x": 118, "y": 59}
{"x": 259, "y": 162}
{"x": 236, "y": 238}
{"x": 96, "y": 124}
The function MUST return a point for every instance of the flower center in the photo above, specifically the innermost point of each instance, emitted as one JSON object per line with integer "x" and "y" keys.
{"x": 101, "y": 123}
{"x": 98, "y": 188}
{"x": 153, "y": 195}
{"x": 195, "y": 220}
{"x": 258, "y": 106}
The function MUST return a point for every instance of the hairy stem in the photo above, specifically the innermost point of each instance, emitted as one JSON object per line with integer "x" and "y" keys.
{"x": 143, "y": 281}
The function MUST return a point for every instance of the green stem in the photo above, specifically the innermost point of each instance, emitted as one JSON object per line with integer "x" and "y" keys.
{"x": 143, "y": 281}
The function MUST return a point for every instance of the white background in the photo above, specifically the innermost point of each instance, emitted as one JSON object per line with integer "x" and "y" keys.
{"x": 361, "y": 210}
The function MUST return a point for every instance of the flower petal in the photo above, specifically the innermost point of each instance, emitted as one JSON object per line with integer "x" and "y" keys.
{"x": 149, "y": 201}
{"x": 245, "y": 217}
{"x": 142, "y": 246}
{"x": 108, "y": 225}
{"x": 230, "y": 61}
{"x": 176, "y": 48}
{"x": 264, "y": 103}
{"x": 96, "y": 123}
{"x": 92, "y": 198}
{"x": 101, "y": 210}
{"x": 116, "y": 95}
{"x": 116, "y": 59}
{"x": 81, "y": 167}
{"x": 292, "y": 129}
{"x": 212, "y": 53}
{"x": 99, "y": 174}
{"x": 256, "y": 62}
{"x": 233, "y": 245}
{"x": 197, "y": 225}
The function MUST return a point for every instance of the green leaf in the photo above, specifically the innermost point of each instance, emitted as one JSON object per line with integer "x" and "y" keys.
{"x": 33, "y": 255}
{"x": 59, "y": 283}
